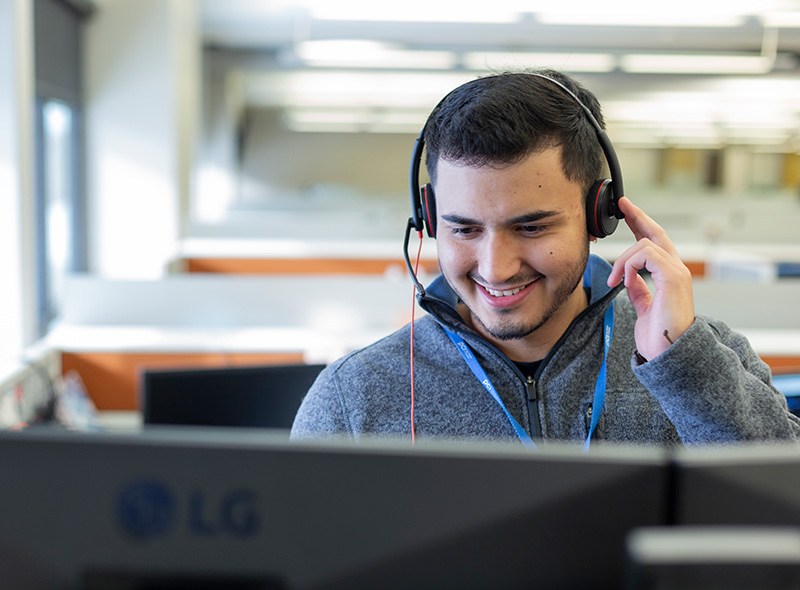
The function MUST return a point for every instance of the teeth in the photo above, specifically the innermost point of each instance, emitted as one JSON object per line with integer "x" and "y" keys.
{"x": 494, "y": 293}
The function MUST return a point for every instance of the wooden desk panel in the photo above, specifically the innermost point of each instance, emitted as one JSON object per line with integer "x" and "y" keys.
{"x": 261, "y": 266}
{"x": 112, "y": 379}
{"x": 697, "y": 268}
{"x": 782, "y": 364}
{"x": 309, "y": 266}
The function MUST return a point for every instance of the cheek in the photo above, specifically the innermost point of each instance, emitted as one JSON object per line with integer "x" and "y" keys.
{"x": 553, "y": 257}
{"x": 581, "y": 226}
{"x": 576, "y": 233}
{"x": 453, "y": 260}
{"x": 563, "y": 251}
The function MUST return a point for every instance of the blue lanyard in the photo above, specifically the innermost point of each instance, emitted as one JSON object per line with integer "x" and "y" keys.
{"x": 599, "y": 389}
{"x": 480, "y": 374}
{"x": 600, "y": 386}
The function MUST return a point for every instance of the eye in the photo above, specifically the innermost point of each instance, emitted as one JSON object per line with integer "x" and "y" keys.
{"x": 532, "y": 229}
{"x": 463, "y": 231}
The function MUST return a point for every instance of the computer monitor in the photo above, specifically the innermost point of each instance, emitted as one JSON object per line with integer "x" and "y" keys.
{"x": 743, "y": 485}
{"x": 237, "y": 508}
{"x": 264, "y": 396}
{"x": 738, "y": 515}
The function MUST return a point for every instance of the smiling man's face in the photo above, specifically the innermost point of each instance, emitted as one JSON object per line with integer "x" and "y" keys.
{"x": 513, "y": 244}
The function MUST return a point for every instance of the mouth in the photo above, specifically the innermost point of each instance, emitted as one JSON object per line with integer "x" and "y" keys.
{"x": 505, "y": 293}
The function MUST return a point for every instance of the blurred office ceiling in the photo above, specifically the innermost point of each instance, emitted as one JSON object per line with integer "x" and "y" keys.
{"x": 684, "y": 73}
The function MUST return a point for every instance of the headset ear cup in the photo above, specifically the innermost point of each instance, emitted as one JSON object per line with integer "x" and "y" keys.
{"x": 429, "y": 209}
{"x": 600, "y": 219}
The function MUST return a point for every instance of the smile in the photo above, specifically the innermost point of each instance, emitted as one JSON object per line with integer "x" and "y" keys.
{"x": 505, "y": 293}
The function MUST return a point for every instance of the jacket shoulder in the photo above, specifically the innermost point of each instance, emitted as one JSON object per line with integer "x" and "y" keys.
{"x": 366, "y": 386}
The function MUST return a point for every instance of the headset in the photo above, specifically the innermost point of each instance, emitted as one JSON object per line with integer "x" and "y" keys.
{"x": 602, "y": 209}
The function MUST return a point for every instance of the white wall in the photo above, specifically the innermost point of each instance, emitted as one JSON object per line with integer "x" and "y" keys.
{"x": 142, "y": 94}
{"x": 17, "y": 294}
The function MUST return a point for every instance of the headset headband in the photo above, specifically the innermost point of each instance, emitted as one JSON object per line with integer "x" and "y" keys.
{"x": 602, "y": 138}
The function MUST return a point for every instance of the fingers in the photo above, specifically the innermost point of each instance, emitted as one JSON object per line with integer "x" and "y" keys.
{"x": 643, "y": 226}
{"x": 671, "y": 306}
{"x": 627, "y": 266}
{"x": 639, "y": 294}
{"x": 652, "y": 251}
{"x": 664, "y": 266}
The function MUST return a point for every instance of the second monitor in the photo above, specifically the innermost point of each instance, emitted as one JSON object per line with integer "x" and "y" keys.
{"x": 264, "y": 396}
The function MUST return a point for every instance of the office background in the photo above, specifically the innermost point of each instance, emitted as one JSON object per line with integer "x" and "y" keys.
{"x": 225, "y": 181}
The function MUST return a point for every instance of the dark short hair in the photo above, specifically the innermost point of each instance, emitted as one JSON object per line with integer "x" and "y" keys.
{"x": 501, "y": 119}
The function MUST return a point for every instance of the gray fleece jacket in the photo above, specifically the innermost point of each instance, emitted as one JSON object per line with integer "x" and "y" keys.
{"x": 708, "y": 387}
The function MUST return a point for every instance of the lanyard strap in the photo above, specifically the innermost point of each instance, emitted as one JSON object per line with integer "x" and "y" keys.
{"x": 600, "y": 386}
{"x": 599, "y": 389}
{"x": 480, "y": 374}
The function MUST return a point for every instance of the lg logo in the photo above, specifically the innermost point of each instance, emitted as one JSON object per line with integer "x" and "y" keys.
{"x": 149, "y": 508}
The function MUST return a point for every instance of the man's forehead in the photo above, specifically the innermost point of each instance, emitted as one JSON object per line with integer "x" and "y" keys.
{"x": 538, "y": 170}
{"x": 533, "y": 191}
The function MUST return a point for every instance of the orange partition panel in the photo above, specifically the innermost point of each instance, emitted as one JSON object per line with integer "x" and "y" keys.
{"x": 329, "y": 266}
{"x": 299, "y": 265}
{"x": 782, "y": 364}
{"x": 112, "y": 379}
{"x": 698, "y": 269}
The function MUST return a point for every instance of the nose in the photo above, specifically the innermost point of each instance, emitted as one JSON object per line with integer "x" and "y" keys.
{"x": 498, "y": 259}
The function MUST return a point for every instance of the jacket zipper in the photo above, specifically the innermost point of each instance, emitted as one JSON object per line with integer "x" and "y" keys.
{"x": 531, "y": 384}
{"x": 533, "y": 409}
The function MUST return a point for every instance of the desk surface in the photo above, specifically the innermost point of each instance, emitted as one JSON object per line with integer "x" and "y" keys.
{"x": 315, "y": 346}
{"x": 316, "y": 343}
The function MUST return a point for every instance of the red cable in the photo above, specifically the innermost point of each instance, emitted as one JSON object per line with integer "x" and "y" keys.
{"x": 413, "y": 310}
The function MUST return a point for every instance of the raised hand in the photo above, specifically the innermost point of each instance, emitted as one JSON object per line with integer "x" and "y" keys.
{"x": 663, "y": 316}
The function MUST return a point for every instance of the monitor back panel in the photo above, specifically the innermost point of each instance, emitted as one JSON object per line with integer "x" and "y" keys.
{"x": 264, "y": 396}
{"x": 738, "y": 486}
{"x": 185, "y": 506}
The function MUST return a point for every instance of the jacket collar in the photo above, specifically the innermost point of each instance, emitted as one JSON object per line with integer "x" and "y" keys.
{"x": 595, "y": 278}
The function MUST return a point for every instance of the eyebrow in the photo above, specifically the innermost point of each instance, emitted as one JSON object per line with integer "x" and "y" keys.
{"x": 531, "y": 217}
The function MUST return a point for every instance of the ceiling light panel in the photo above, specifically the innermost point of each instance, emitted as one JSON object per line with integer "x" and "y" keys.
{"x": 785, "y": 19}
{"x": 676, "y": 13}
{"x": 695, "y": 64}
{"x": 568, "y": 62}
{"x": 499, "y": 11}
{"x": 354, "y": 120}
{"x": 371, "y": 54}
{"x": 350, "y": 88}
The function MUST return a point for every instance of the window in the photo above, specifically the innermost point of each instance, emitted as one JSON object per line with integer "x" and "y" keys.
{"x": 57, "y": 199}
{"x": 59, "y": 214}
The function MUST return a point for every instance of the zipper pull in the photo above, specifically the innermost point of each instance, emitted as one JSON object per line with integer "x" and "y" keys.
{"x": 533, "y": 395}
{"x": 533, "y": 408}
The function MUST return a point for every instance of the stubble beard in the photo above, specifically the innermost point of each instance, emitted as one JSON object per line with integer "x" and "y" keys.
{"x": 510, "y": 330}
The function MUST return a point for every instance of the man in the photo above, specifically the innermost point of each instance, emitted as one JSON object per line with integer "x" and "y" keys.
{"x": 513, "y": 344}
